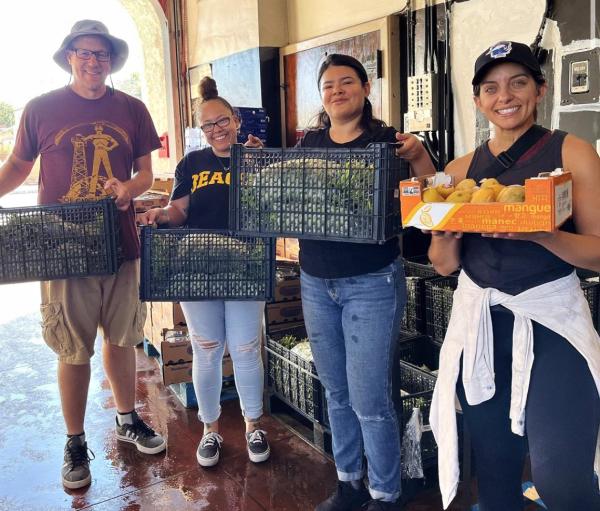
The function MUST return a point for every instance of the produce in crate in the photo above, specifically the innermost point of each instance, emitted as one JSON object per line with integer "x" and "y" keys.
{"x": 46, "y": 243}
{"x": 311, "y": 194}
{"x": 207, "y": 264}
{"x": 302, "y": 349}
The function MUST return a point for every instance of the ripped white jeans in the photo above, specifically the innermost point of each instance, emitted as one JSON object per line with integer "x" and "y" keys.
{"x": 212, "y": 325}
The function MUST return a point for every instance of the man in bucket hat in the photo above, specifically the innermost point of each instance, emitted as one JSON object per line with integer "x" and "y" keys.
{"x": 93, "y": 141}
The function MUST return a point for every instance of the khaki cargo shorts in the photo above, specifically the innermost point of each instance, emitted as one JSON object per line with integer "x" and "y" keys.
{"x": 74, "y": 309}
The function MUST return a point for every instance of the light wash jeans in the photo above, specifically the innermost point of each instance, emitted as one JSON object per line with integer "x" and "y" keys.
{"x": 212, "y": 324}
{"x": 353, "y": 325}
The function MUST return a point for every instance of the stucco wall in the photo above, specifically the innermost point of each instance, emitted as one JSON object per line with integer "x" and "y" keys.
{"x": 311, "y": 18}
{"x": 156, "y": 86}
{"x": 476, "y": 25}
{"x": 217, "y": 28}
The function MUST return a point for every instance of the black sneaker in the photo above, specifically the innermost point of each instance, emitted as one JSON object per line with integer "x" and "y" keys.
{"x": 76, "y": 468}
{"x": 209, "y": 449}
{"x": 141, "y": 435}
{"x": 381, "y": 505}
{"x": 345, "y": 498}
{"x": 258, "y": 447}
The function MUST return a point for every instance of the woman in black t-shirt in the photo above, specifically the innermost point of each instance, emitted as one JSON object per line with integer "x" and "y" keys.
{"x": 353, "y": 296}
{"x": 200, "y": 199}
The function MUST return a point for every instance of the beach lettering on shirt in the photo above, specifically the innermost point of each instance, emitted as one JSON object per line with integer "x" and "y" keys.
{"x": 208, "y": 178}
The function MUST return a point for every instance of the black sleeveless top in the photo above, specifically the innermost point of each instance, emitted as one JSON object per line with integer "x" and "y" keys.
{"x": 513, "y": 266}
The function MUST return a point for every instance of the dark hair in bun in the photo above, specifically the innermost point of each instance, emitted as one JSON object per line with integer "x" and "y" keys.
{"x": 209, "y": 91}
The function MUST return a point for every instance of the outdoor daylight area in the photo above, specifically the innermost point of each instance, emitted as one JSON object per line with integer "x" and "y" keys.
{"x": 295, "y": 255}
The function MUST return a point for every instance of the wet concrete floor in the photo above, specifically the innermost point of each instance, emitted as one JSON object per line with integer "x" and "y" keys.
{"x": 32, "y": 439}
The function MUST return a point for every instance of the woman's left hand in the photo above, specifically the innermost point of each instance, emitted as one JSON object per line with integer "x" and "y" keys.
{"x": 253, "y": 141}
{"x": 409, "y": 146}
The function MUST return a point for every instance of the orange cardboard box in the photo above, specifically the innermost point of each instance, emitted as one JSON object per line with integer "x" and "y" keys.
{"x": 548, "y": 203}
{"x": 292, "y": 249}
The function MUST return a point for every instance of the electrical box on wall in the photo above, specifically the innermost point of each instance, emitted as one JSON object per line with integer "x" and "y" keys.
{"x": 422, "y": 103}
{"x": 580, "y": 80}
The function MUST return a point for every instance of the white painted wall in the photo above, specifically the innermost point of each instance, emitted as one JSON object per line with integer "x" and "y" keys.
{"x": 218, "y": 28}
{"x": 476, "y": 25}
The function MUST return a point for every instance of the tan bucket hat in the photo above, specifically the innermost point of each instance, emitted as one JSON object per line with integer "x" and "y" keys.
{"x": 119, "y": 49}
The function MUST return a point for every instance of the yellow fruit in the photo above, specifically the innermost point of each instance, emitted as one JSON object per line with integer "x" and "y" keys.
{"x": 490, "y": 182}
{"x": 484, "y": 195}
{"x": 459, "y": 196}
{"x": 497, "y": 189}
{"x": 512, "y": 193}
{"x": 444, "y": 190}
{"x": 466, "y": 184}
{"x": 432, "y": 195}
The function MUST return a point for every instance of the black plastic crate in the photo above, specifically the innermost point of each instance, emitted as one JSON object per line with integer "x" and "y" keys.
{"x": 591, "y": 290}
{"x": 417, "y": 271}
{"x": 293, "y": 378}
{"x": 58, "y": 241}
{"x": 438, "y": 304}
{"x": 420, "y": 351}
{"x": 184, "y": 264}
{"x": 416, "y": 391}
{"x": 317, "y": 193}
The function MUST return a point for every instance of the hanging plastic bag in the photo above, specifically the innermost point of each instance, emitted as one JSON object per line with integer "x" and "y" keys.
{"x": 412, "y": 463}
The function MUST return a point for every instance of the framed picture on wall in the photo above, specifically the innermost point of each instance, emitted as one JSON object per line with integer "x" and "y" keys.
{"x": 374, "y": 44}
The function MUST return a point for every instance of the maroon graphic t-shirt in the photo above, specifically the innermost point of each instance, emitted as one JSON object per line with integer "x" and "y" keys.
{"x": 83, "y": 143}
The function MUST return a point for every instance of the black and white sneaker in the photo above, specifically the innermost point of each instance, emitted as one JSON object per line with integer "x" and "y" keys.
{"x": 75, "y": 471}
{"x": 258, "y": 447}
{"x": 209, "y": 449}
{"x": 141, "y": 435}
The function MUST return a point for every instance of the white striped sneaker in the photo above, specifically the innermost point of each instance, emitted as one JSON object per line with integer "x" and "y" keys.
{"x": 141, "y": 435}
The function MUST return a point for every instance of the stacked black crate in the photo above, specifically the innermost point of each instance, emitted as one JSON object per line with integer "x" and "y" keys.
{"x": 254, "y": 121}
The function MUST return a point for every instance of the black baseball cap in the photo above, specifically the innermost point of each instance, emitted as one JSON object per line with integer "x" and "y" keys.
{"x": 505, "y": 51}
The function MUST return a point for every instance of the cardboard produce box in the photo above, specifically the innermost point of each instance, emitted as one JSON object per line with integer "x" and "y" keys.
{"x": 284, "y": 312}
{"x": 162, "y": 184}
{"x": 170, "y": 315}
{"x": 292, "y": 249}
{"x": 177, "y": 373}
{"x": 150, "y": 199}
{"x": 287, "y": 290}
{"x": 176, "y": 349}
{"x": 287, "y": 281}
{"x": 162, "y": 316}
{"x": 548, "y": 203}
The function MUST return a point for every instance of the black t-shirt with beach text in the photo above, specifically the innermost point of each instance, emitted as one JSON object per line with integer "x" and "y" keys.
{"x": 205, "y": 178}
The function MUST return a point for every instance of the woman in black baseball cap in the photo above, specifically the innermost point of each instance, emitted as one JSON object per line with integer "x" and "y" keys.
{"x": 521, "y": 351}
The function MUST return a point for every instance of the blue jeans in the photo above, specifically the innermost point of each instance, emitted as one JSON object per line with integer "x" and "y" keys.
{"x": 353, "y": 325}
{"x": 212, "y": 324}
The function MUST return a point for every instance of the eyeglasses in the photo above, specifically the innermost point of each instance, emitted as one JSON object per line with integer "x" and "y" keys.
{"x": 83, "y": 54}
{"x": 210, "y": 126}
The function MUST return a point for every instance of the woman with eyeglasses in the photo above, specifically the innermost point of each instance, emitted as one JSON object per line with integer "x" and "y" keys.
{"x": 200, "y": 199}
